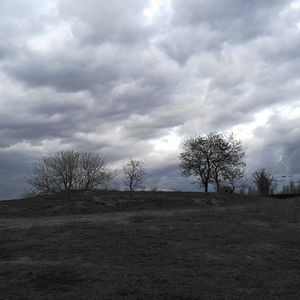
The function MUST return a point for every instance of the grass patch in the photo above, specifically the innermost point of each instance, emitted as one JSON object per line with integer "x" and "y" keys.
{"x": 244, "y": 250}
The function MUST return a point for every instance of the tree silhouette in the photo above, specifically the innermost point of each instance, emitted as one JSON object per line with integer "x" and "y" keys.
{"x": 213, "y": 158}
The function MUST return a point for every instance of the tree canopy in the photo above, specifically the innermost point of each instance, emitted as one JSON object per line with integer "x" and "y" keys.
{"x": 69, "y": 170}
{"x": 214, "y": 158}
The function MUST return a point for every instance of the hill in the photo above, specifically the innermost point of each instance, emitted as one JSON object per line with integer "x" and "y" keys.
{"x": 101, "y": 245}
{"x": 78, "y": 202}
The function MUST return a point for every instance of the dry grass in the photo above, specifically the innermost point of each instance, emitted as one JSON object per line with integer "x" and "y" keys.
{"x": 161, "y": 246}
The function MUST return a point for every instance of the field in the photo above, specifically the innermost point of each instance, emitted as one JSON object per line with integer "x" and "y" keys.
{"x": 102, "y": 245}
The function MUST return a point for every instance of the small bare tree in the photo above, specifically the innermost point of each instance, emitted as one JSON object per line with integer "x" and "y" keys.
{"x": 263, "y": 181}
{"x": 133, "y": 174}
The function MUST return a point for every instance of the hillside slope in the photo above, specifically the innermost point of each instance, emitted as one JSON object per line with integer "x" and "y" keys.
{"x": 160, "y": 246}
{"x": 76, "y": 202}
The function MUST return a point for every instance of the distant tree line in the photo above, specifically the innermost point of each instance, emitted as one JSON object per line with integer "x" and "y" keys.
{"x": 291, "y": 188}
{"x": 75, "y": 170}
{"x": 212, "y": 160}
{"x": 266, "y": 184}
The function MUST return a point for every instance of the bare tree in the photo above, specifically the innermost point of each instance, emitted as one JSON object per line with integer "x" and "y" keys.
{"x": 65, "y": 166}
{"x": 42, "y": 179}
{"x": 235, "y": 181}
{"x": 94, "y": 172}
{"x": 263, "y": 181}
{"x": 213, "y": 158}
{"x": 228, "y": 161}
{"x": 133, "y": 174}
{"x": 68, "y": 170}
{"x": 196, "y": 160}
{"x": 154, "y": 186}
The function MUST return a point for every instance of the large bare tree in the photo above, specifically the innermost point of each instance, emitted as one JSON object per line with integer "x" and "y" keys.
{"x": 68, "y": 170}
{"x": 214, "y": 158}
{"x": 133, "y": 174}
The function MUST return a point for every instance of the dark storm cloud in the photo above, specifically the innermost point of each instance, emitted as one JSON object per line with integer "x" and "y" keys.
{"x": 15, "y": 164}
{"x": 64, "y": 72}
{"x": 38, "y": 117}
{"x": 119, "y": 78}
{"x": 98, "y": 76}
{"x": 199, "y": 26}
{"x": 281, "y": 143}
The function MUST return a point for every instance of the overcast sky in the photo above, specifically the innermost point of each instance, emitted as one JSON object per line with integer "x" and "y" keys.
{"x": 134, "y": 79}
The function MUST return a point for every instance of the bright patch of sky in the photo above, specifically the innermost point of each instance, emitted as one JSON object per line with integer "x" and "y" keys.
{"x": 152, "y": 10}
{"x": 169, "y": 142}
{"x": 245, "y": 131}
{"x": 158, "y": 11}
{"x": 295, "y": 4}
{"x": 52, "y": 39}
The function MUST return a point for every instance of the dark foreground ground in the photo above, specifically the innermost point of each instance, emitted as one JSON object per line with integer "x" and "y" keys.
{"x": 159, "y": 246}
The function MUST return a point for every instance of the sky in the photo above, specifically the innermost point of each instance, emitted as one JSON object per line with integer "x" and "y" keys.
{"x": 134, "y": 79}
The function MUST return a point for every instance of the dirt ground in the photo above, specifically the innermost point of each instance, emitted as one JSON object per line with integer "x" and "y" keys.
{"x": 159, "y": 246}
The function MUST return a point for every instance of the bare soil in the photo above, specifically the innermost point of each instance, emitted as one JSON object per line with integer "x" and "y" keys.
{"x": 102, "y": 245}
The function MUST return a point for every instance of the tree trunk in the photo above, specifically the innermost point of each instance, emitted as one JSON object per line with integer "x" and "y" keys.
{"x": 131, "y": 191}
{"x": 217, "y": 181}
{"x": 218, "y": 185}
{"x": 206, "y": 187}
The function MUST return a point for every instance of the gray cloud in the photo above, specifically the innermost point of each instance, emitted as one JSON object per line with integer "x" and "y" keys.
{"x": 15, "y": 165}
{"x": 99, "y": 76}
{"x": 281, "y": 143}
{"x": 96, "y": 22}
{"x": 199, "y": 26}
{"x": 236, "y": 19}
